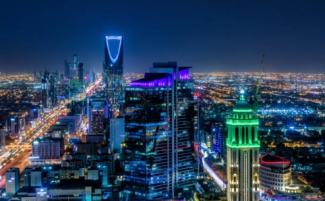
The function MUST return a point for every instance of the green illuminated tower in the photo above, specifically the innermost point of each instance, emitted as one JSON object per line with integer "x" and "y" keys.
{"x": 242, "y": 153}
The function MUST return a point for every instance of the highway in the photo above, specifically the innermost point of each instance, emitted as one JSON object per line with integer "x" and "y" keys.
{"x": 212, "y": 173}
{"x": 17, "y": 153}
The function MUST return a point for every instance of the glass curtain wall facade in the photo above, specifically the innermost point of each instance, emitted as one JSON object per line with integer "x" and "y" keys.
{"x": 113, "y": 73}
{"x": 158, "y": 151}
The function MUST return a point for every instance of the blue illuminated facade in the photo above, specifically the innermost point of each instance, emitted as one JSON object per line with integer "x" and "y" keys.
{"x": 44, "y": 91}
{"x": 158, "y": 148}
{"x": 217, "y": 139}
{"x": 113, "y": 73}
{"x": 52, "y": 91}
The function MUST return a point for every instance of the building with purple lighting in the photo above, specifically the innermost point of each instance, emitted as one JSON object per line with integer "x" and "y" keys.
{"x": 159, "y": 118}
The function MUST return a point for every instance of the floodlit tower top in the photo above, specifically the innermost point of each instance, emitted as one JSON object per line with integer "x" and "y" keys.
{"x": 242, "y": 125}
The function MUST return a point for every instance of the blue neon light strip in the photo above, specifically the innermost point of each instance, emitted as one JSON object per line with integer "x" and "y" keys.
{"x": 119, "y": 39}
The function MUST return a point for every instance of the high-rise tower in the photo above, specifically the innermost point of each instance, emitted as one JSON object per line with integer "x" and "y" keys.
{"x": 44, "y": 93}
{"x": 81, "y": 73}
{"x": 159, "y": 119}
{"x": 242, "y": 153}
{"x": 52, "y": 91}
{"x": 113, "y": 73}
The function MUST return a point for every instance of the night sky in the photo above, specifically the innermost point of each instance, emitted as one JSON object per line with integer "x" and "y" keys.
{"x": 210, "y": 35}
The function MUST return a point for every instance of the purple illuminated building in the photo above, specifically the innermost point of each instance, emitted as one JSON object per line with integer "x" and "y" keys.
{"x": 162, "y": 79}
{"x": 159, "y": 123}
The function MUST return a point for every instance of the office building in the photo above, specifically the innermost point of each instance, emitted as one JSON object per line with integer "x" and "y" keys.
{"x": 48, "y": 148}
{"x": 242, "y": 153}
{"x": 92, "y": 174}
{"x": 67, "y": 71}
{"x": 2, "y": 138}
{"x": 116, "y": 134}
{"x": 113, "y": 74}
{"x": 44, "y": 92}
{"x": 98, "y": 116}
{"x": 159, "y": 132}
{"x": 81, "y": 73}
{"x": 36, "y": 177}
{"x": 26, "y": 174}
{"x": 217, "y": 140}
{"x": 12, "y": 180}
{"x": 275, "y": 173}
{"x": 52, "y": 91}
{"x": 74, "y": 67}
{"x": 13, "y": 127}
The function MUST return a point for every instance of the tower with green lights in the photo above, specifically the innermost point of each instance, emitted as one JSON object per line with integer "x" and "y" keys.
{"x": 242, "y": 152}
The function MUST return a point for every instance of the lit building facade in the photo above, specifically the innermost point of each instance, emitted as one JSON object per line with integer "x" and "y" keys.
{"x": 48, "y": 148}
{"x": 52, "y": 91}
{"x": 74, "y": 67}
{"x": 97, "y": 121}
{"x": 13, "y": 127}
{"x": 44, "y": 92}
{"x": 12, "y": 181}
{"x": 36, "y": 178}
{"x": 81, "y": 73}
{"x": 95, "y": 111}
{"x": 275, "y": 173}
{"x": 116, "y": 134}
{"x": 113, "y": 73}
{"x": 218, "y": 140}
{"x": 159, "y": 163}
{"x": 242, "y": 153}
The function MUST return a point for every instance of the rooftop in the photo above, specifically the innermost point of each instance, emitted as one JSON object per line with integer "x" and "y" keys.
{"x": 269, "y": 159}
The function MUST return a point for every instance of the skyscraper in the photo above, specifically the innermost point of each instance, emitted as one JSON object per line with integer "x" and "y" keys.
{"x": 159, "y": 134}
{"x": 44, "y": 92}
{"x": 81, "y": 73}
{"x": 52, "y": 91}
{"x": 242, "y": 153}
{"x": 217, "y": 140}
{"x": 2, "y": 138}
{"x": 116, "y": 133}
{"x": 113, "y": 73}
{"x": 67, "y": 70}
{"x": 74, "y": 67}
{"x": 96, "y": 112}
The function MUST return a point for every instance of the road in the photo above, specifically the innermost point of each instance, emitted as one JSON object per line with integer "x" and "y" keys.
{"x": 17, "y": 153}
{"x": 213, "y": 173}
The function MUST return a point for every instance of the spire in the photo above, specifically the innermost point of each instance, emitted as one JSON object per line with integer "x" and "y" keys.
{"x": 242, "y": 124}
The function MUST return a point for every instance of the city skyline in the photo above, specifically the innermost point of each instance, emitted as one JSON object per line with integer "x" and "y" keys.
{"x": 118, "y": 119}
{"x": 209, "y": 35}
{"x": 168, "y": 134}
